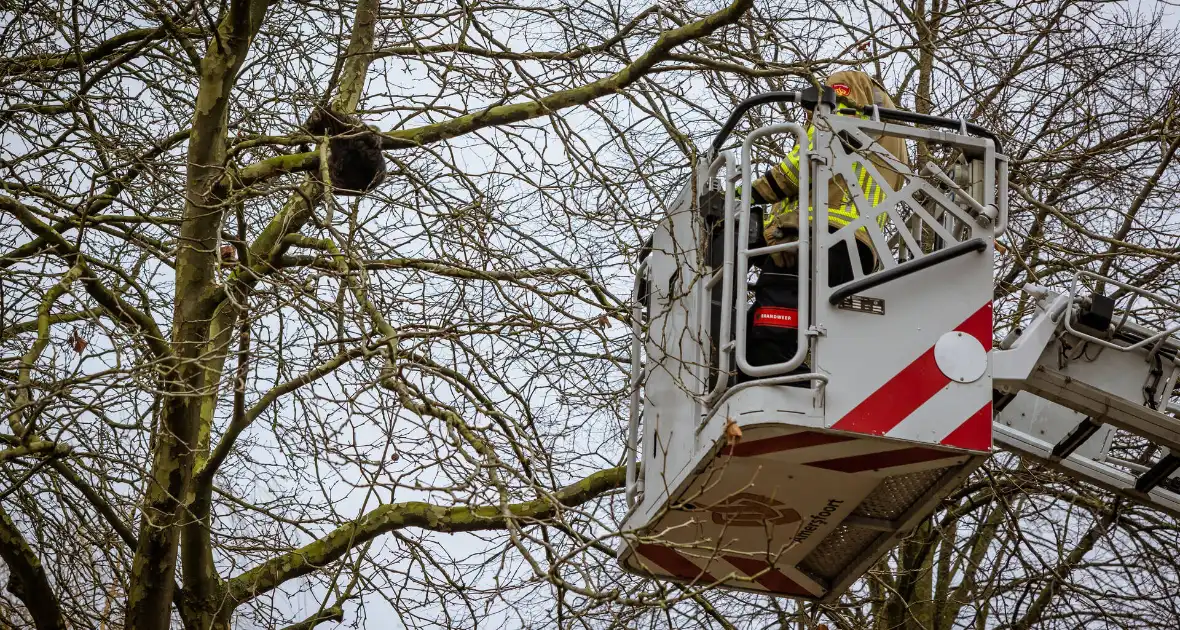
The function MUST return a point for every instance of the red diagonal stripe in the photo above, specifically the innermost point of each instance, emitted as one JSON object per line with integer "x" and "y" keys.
{"x": 912, "y": 386}
{"x": 896, "y": 399}
{"x": 675, "y": 564}
{"x": 975, "y": 433}
{"x": 885, "y": 459}
{"x": 802, "y": 439}
{"x": 769, "y": 577}
{"x": 979, "y": 325}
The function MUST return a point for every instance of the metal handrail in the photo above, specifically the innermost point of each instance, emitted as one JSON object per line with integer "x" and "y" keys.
{"x": 727, "y": 278}
{"x": 1073, "y": 299}
{"x": 906, "y": 268}
{"x": 987, "y": 211}
{"x": 955, "y": 124}
{"x": 762, "y": 382}
{"x": 802, "y": 247}
{"x": 637, "y": 309}
{"x": 991, "y": 215}
{"x": 876, "y": 112}
{"x": 747, "y": 105}
{"x": 1002, "y": 196}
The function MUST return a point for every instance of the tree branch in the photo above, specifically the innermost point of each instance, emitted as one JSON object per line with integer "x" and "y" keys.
{"x": 201, "y": 581}
{"x": 505, "y": 114}
{"x": 73, "y": 59}
{"x": 28, "y": 580}
{"x": 1062, "y": 571}
{"x": 115, "y": 305}
{"x": 56, "y": 318}
{"x": 394, "y": 516}
{"x": 205, "y": 474}
{"x": 24, "y": 386}
{"x": 333, "y": 613}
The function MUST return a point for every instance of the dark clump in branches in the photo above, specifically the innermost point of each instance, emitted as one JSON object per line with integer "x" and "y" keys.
{"x": 355, "y": 163}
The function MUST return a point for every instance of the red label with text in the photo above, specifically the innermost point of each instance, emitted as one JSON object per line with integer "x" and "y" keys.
{"x": 776, "y": 316}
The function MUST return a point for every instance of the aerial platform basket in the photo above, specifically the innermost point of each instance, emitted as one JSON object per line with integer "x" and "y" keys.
{"x": 884, "y": 409}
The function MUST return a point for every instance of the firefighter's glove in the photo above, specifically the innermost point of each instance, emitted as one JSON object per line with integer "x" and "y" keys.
{"x": 774, "y": 233}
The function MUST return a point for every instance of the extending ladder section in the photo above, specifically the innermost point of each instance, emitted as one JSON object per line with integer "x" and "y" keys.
{"x": 1089, "y": 388}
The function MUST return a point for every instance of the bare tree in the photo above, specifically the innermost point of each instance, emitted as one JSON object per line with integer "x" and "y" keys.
{"x": 237, "y": 398}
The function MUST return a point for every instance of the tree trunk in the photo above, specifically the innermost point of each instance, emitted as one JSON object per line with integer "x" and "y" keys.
{"x": 153, "y": 569}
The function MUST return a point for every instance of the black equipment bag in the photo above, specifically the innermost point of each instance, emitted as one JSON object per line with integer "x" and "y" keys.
{"x": 773, "y": 319}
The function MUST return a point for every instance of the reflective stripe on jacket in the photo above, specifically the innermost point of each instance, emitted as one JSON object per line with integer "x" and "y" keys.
{"x": 780, "y": 185}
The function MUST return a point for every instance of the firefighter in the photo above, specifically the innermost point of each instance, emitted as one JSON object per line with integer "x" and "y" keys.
{"x": 772, "y": 334}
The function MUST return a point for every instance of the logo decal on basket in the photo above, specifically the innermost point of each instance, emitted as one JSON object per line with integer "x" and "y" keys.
{"x": 776, "y": 317}
{"x": 746, "y": 509}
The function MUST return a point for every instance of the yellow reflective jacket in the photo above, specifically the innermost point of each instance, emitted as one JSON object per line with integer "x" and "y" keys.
{"x": 780, "y": 184}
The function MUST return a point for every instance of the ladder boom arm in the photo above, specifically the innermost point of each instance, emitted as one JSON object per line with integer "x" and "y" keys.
{"x": 1067, "y": 394}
